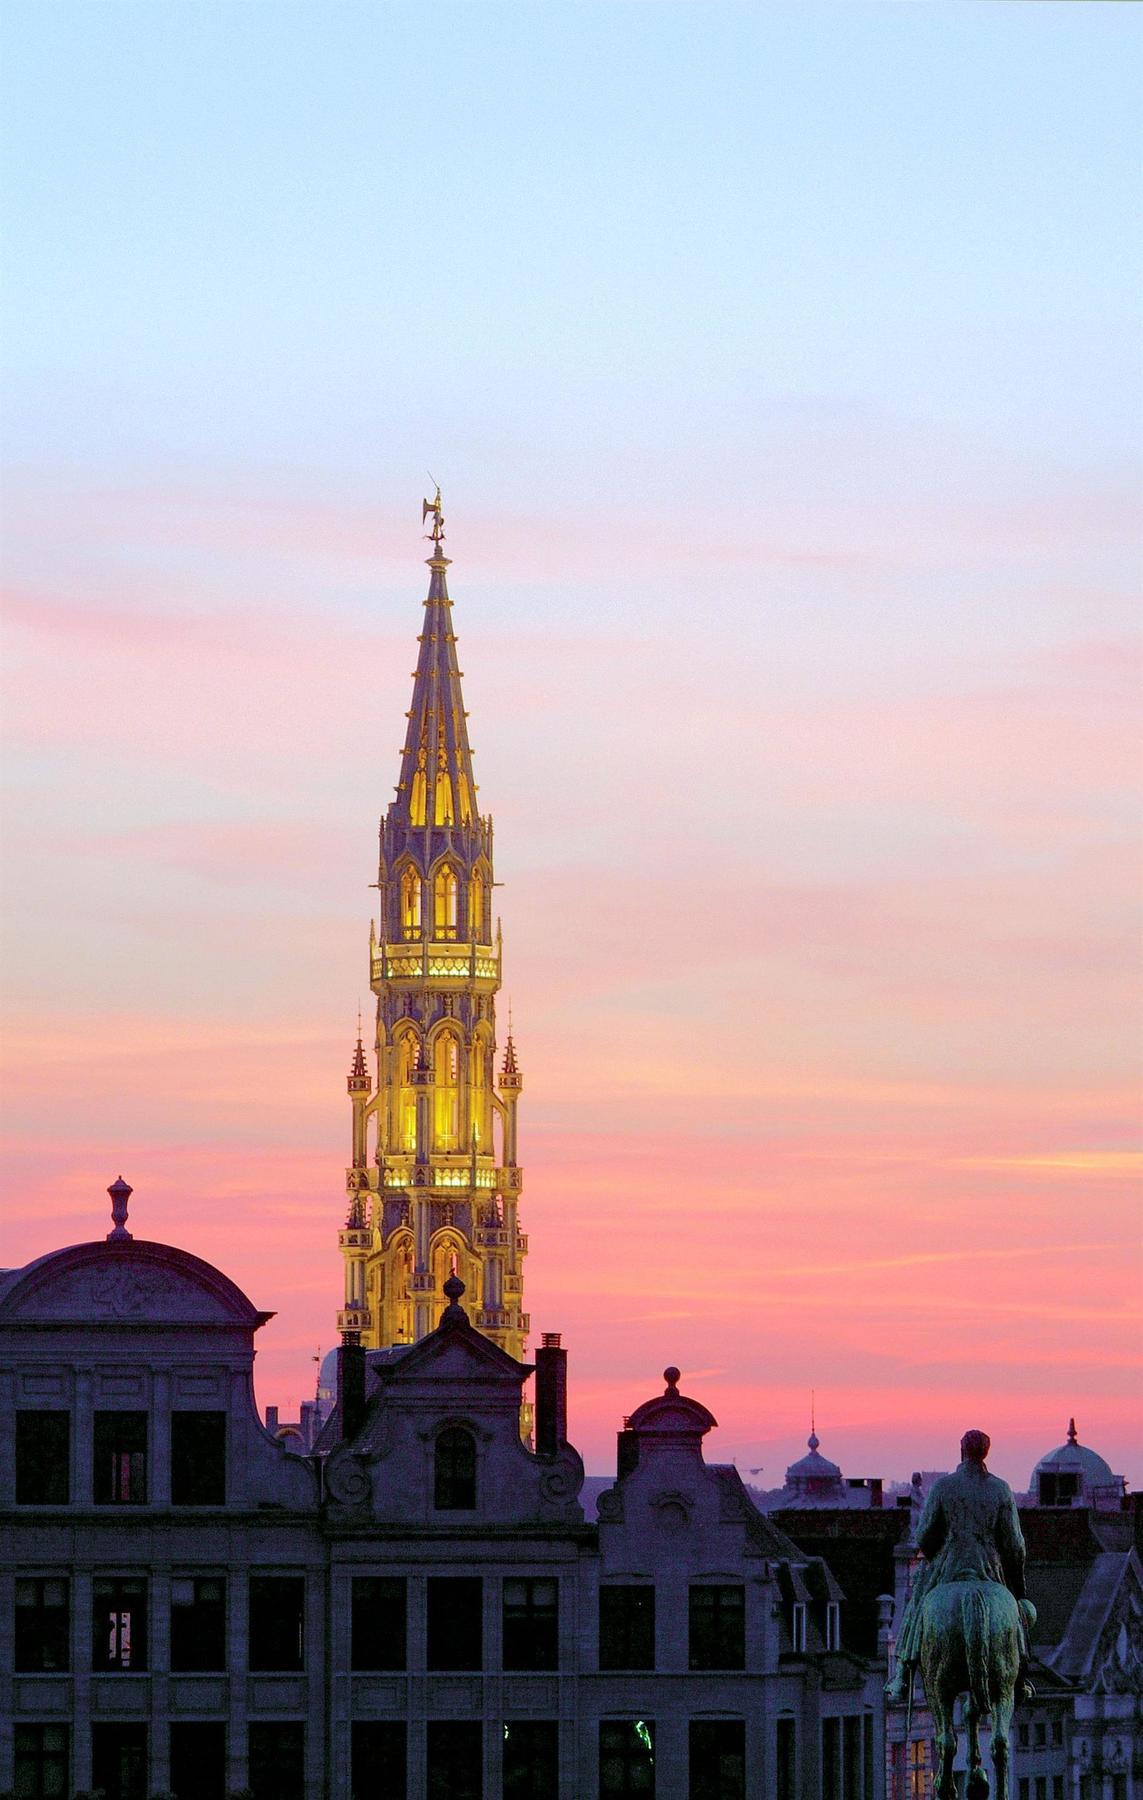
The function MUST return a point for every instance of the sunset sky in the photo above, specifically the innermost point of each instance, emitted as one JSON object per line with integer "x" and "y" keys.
{"x": 780, "y": 369}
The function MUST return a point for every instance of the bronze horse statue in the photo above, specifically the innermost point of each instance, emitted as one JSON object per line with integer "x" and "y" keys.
{"x": 970, "y": 1643}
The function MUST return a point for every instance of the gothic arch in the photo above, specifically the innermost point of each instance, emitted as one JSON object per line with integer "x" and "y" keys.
{"x": 410, "y": 898}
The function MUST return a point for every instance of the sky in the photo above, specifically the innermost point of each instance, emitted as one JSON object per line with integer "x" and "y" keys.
{"x": 781, "y": 371}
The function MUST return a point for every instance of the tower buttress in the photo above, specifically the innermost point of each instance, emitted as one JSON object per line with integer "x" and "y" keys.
{"x": 439, "y": 1190}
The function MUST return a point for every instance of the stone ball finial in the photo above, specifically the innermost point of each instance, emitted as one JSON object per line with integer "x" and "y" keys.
{"x": 120, "y": 1192}
{"x": 671, "y": 1377}
{"x": 453, "y": 1289}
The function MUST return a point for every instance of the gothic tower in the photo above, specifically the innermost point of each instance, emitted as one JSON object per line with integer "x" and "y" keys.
{"x": 434, "y": 1184}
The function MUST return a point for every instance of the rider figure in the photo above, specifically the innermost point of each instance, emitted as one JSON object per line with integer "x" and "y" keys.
{"x": 969, "y": 1531}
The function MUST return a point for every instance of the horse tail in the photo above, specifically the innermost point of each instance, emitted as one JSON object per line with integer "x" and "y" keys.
{"x": 974, "y": 1629}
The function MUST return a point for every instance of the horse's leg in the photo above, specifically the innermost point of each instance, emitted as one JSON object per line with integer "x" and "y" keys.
{"x": 977, "y": 1786}
{"x": 1001, "y": 1721}
{"x": 944, "y": 1742}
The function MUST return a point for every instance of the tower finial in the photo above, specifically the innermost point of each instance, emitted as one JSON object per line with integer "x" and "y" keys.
{"x": 1073, "y": 1434}
{"x": 813, "y": 1439}
{"x": 434, "y": 506}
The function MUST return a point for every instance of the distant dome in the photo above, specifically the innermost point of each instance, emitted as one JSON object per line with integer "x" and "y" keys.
{"x": 1073, "y": 1458}
{"x": 813, "y": 1467}
{"x": 327, "y": 1376}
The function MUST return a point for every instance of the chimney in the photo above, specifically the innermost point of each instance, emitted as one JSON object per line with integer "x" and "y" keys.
{"x": 551, "y": 1395}
{"x": 271, "y": 1418}
{"x": 877, "y": 1491}
{"x": 627, "y": 1450}
{"x": 351, "y": 1388}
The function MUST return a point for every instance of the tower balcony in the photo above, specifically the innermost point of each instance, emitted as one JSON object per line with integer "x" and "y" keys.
{"x": 446, "y": 1174}
{"x": 430, "y": 960}
{"x": 353, "y": 1318}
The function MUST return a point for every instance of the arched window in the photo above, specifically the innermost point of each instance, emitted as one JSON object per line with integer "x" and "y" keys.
{"x": 406, "y": 1121}
{"x": 410, "y": 902}
{"x": 418, "y": 799}
{"x": 445, "y": 888}
{"x": 465, "y": 800}
{"x": 476, "y": 907}
{"x": 446, "y": 1091}
{"x": 454, "y": 1471}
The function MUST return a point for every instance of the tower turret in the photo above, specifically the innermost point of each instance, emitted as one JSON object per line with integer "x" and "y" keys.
{"x": 434, "y": 1174}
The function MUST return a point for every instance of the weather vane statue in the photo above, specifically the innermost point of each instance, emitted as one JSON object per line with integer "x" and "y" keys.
{"x": 966, "y": 1620}
{"x": 434, "y": 506}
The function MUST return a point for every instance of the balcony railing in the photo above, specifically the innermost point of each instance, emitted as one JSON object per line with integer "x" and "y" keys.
{"x": 432, "y": 960}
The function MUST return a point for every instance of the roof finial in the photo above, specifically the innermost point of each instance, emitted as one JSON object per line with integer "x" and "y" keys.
{"x": 120, "y": 1192}
{"x": 1073, "y": 1434}
{"x": 434, "y": 506}
{"x": 813, "y": 1440}
{"x": 454, "y": 1313}
{"x": 671, "y": 1377}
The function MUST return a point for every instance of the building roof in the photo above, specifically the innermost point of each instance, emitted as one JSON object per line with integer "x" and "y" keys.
{"x": 1074, "y": 1458}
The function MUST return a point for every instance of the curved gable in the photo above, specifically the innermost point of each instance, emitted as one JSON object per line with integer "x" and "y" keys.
{"x": 125, "y": 1283}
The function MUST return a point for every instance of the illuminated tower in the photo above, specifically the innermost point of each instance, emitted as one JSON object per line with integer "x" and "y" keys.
{"x": 434, "y": 1184}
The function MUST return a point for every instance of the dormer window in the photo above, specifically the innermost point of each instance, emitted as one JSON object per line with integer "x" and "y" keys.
{"x": 798, "y": 1625}
{"x": 1058, "y": 1489}
{"x": 454, "y": 1471}
{"x": 833, "y": 1625}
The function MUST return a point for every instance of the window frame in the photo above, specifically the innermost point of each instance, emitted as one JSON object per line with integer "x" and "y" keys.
{"x": 363, "y": 1627}
{"x": 640, "y": 1624}
{"x": 190, "y": 1455}
{"x": 181, "y": 1663}
{"x": 130, "y": 1587}
{"x": 263, "y": 1584}
{"x": 33, "y": 1643}
{"x": 717, "y": 1619}
{"x": 45, "y": 1466}
{"x": 530, "y": 1629}
{"x": 132, "y": 1474}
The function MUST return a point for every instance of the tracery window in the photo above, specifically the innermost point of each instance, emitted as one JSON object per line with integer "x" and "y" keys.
{"x": 476, "y": 907}
{"x": 446, "y": 1091}
{"x": 410, "y": 902}
{"x": 406, "y": 1121}
{"x": 445, "y": 890}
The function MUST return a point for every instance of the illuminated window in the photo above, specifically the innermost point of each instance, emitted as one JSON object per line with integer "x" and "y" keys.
{"x": 418, "y": 798}
{"x": 120, "y": 1459}
{"x": 410, "y": 902}
{"x": 445, "y": 889}
{"x": 465, "y": 800}
{"x": 476, "y": 907}
{"x": 446, "y": 1091}
{"x": 119, "y": 1624}
{"x": 406, "y": 1121}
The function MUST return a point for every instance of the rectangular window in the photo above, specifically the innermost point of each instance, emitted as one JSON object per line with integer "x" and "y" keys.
{"x": 119, "y": 1624}
{"x": 277, "y": 1760}
{"x": 455, "y": 1759}
{"x": 531, "y": 1624}
{"x": 831, "y": 1759}
{"x": 1041, "y": 1787}
{"x": 119, "y": 1761}
{"x": 531, "y": 1759}
{"x": 198, "y": 1759}
{"x": 787, "y": 1783}
{"x": 1023, "y": 1734}
{"x": 1039, "y": 1732}
{"x": 627, "y": 1627}
{"x": 277, "y": 1622}
{"x": 455, "y": 1623}
{"x": 43, "y": 1624}
{"x": 378, "y": 1756}
{"x": 718, "y": 1759}
{"x": 851, "y": 1756}
{"x": 377, "y": 1622}
{"x": 42, "y": 1762}
{"x": 1057, "y": 1731}
{"x": 918, "y": 1765}
{"x": 43, "y": 1458}
{"x": 1057, "y": 1787}
{"x": 833, "y": 1625}
{"x": 718, "y": 1628}
{"x": 626, "y": 1757}
{"x": 198, "y": 1459}
{"x": 198, "y": 1623}
{"x": 120, "y": 1472}
{"x": 1025, "y": 1788}
{"x": 798, "y": 1625}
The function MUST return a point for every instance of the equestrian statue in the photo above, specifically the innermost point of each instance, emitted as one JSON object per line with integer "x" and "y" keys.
{"x": 966, "y": 1622}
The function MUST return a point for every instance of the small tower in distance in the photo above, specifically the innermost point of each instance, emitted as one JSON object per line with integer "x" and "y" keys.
{"x": 434, "y": 1183}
